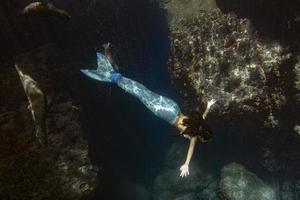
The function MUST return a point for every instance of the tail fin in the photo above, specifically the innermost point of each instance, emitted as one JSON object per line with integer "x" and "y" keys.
{"x": 104, "y": 70}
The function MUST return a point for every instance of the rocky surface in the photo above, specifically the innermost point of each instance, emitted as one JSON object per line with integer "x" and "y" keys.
{"x": 222, "y": 57}
{"x": 63, "y": 169}
{"x": 135, "y": 27}
{"x": 181, "y": 8}
{"x": 254, "y": 77}
{"x": 238, "y": 183}
{"x": 233, "y": 182}
{"x": 217, "y": 55}
{"x": 296, "y": 71}
{"x": 200, "y": 184}
{"x": 213, "y": 55}
{"x": 78, "y": 173}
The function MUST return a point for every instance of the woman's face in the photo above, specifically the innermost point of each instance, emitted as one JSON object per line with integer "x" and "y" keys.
{"x": 186, "y": 136}
{"x": 180, "y": 124}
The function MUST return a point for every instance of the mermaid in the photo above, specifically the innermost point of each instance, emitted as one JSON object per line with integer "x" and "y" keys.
{"x": 192, "y": 127}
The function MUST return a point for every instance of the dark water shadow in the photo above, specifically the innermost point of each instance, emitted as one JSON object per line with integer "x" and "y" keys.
{"x": 124, "y": 137}
{"x": 272, "y": 18}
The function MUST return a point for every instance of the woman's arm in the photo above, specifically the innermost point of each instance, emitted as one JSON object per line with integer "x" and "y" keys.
{"x": 185, "y": 167}
{"x": 209, "y": 104}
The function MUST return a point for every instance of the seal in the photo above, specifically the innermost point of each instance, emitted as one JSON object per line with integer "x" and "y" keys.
{"x": 44, "y": 8}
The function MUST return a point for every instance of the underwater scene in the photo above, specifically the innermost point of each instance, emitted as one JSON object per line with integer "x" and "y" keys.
{"x": 149, "y": 100}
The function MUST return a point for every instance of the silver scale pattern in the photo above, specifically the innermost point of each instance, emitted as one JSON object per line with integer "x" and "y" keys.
{"x": 161, "y": 106}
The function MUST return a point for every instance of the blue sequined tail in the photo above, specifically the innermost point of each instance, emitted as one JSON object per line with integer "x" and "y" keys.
{"x": 161, "y": 106}
{"x": 104, "y": 70}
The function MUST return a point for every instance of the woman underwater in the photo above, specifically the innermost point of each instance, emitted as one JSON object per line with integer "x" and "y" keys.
{"x": 192, "y": 127}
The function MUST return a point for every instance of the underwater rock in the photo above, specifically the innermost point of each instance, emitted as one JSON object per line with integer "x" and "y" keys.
{"x": 210, "y": 192}
{"x": 254, "y": 79}
{"x": 186, "y": 196}
{"x": 238, "y": 183}
{"x": 289, "y": 190}
{"x": 80, "y": 175}
{"x": 182, "y": 8}
{"x": 63, "y": 170}
{"x": 222, "y": 57}
{"x": 169, "y": 185}
{"x": 297, "y": 81}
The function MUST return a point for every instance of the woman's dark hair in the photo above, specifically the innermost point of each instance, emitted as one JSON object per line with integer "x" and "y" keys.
{"x": 196, "y": 126}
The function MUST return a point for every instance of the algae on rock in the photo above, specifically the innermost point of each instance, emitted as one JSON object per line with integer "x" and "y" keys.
{"x": 238, "y": 183}
{"x": 254, "y": 78}
{"x": 222, "y": 57}
{"x": 63, "y": 169}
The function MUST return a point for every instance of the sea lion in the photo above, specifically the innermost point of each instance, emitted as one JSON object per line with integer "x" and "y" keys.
{"x": 44, "y": 8}
{"x": 37, "y": 105}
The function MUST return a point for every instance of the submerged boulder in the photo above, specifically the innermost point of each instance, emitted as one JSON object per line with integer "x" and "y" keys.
{"x": 200, "y": 184}
{"x": 63, "y": 168}
{"x": 238, "y": 183}
{"x": 220, "y": 56}
{"x": 254, "y": 79}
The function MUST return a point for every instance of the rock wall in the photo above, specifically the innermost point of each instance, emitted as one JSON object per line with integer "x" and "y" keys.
{"x": 217, "y": 55}
{"x": 234, "y": 182}
{"x": 253, "y": 76}
{"x": 134, "y": 27}
{"x": 63, "y": 169}
{"x": 238, "y": 183}
{"x": 222, "y": 57}
{"x": 200, "y": 184}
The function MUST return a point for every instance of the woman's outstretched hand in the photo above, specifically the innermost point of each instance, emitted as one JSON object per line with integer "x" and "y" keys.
{"x": 184, "y": 170}
{"x": 211, "y": 102}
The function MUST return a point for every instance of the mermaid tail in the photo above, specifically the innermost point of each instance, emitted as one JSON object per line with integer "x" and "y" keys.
{"x": 161, "y": 106}
{"x": 103, "y": 71}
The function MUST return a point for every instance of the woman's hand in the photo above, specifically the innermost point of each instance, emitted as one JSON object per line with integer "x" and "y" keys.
{"x": 184, "y": 170}
{"x": 211, "y": 102}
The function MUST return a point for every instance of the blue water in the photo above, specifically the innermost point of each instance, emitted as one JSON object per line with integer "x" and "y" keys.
{"x": 125, "y": 139}
{"x": 124, "y": 136}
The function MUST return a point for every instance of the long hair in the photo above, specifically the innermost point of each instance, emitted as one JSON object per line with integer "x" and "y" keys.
{"x": 196, "y": 126}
